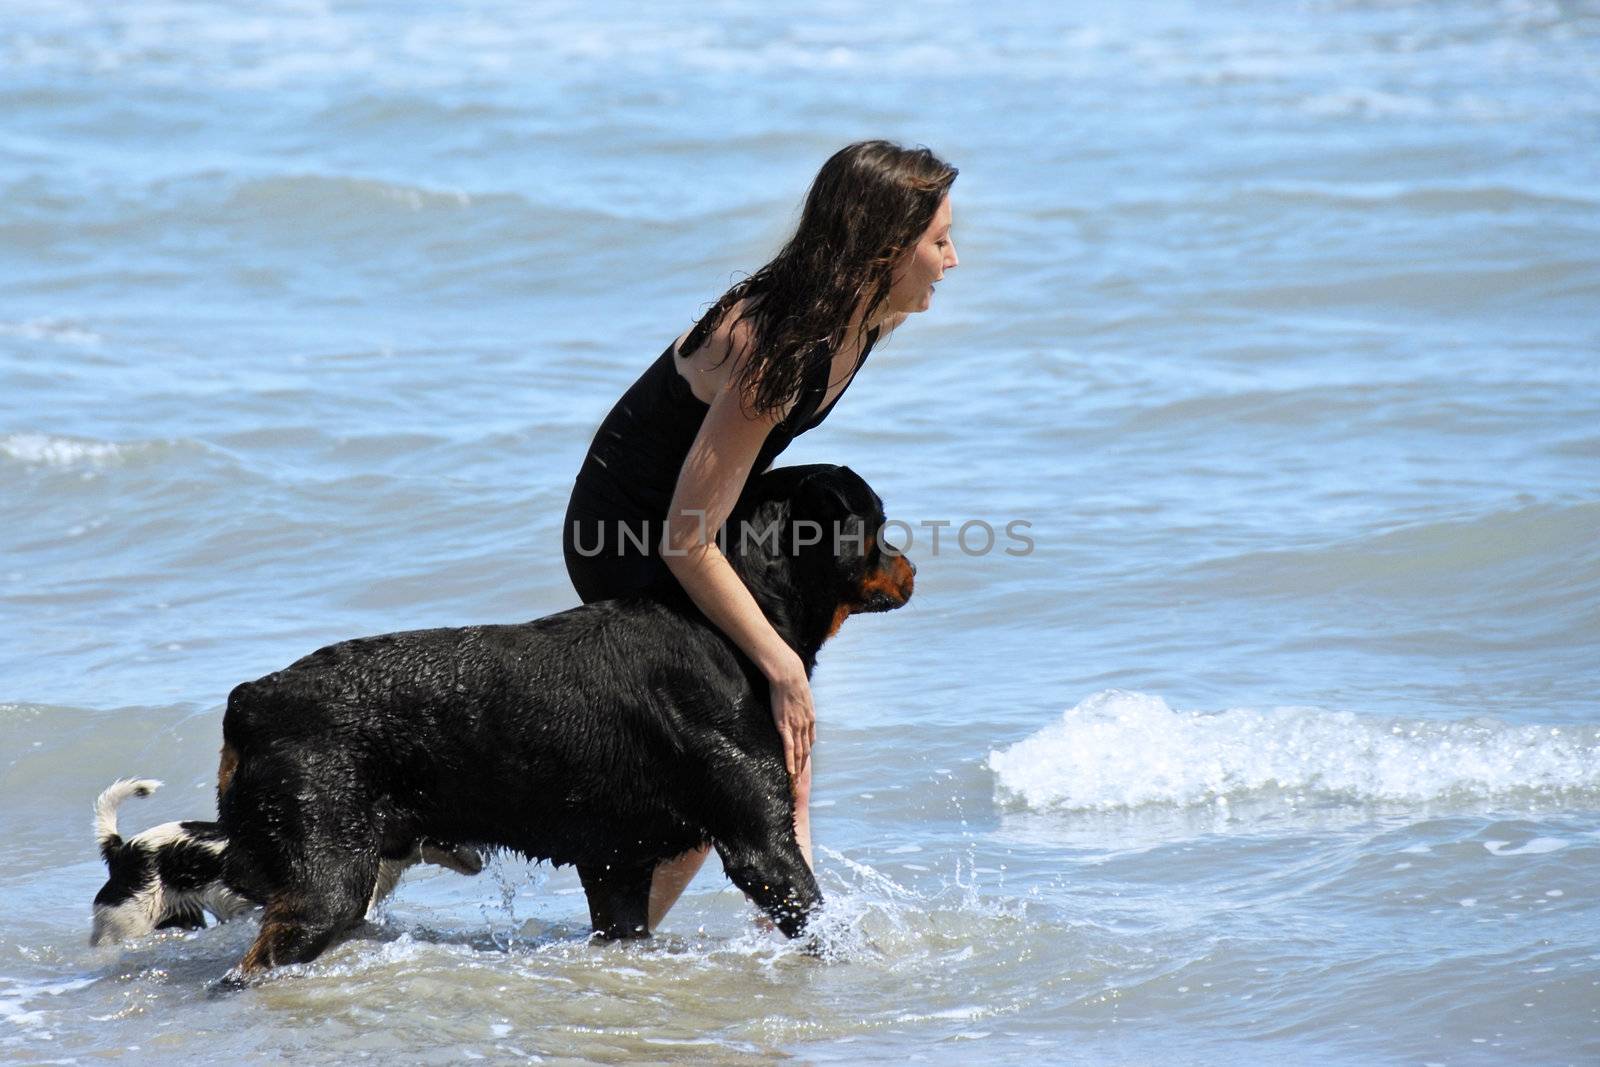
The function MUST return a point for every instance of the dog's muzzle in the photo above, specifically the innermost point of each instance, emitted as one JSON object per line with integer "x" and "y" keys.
{"x": 889, "y": 587}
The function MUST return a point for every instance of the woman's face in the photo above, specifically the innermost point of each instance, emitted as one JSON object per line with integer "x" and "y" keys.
{"x": 911, "y": 286}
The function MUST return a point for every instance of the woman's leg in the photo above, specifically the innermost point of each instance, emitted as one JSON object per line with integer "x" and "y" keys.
{"x": 673, "y": 876}
{"x": 802, "y": 813}
{"x": 670, "y": 879}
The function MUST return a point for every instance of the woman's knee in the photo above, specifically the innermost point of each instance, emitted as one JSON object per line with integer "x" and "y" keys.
{"x": 684, "y": 864}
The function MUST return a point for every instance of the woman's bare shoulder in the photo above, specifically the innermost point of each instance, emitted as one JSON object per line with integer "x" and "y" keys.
{"x": 733, "y": 335}
{"x": 716, "y": 364}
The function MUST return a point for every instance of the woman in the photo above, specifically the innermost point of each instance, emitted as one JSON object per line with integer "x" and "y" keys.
{"x": 765, "y": 364}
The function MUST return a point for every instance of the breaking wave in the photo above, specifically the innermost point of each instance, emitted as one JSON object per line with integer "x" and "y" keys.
{"x": 1122, "y": 749}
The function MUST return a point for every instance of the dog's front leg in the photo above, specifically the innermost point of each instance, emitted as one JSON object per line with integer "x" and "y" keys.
{"x": 619, "y": 899}
{"x": 776, "y": 877}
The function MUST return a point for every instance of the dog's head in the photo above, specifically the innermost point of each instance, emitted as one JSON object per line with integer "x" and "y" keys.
{"x": 808, "y": 542}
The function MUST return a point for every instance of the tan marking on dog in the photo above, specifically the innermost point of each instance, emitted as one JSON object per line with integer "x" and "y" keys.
{"x": 225, "y": 768}
{"x": 893, "y": 580}
{"x": 275, "y": 925}
{"x": 840, "y": 613}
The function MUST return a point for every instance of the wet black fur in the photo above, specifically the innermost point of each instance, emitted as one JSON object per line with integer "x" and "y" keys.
{"x": 610, "y": 736}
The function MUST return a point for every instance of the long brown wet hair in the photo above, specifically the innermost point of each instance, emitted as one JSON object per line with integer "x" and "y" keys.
{"x": 868, "y": 205}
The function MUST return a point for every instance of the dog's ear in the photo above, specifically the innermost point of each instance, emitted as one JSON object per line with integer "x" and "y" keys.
{"x": 832, "y": 493}
{"x": 864, "y": 498}
{"x": 757, "y": 529}
{"x": 756, "y": 542}
{"x": 761, "y": 559}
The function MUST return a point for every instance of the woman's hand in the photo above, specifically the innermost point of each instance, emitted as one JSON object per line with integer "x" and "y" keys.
{"x": 794, "y": 714}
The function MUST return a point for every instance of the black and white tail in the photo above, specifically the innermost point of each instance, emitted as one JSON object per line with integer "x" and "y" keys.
{"x": 106, "y": 805}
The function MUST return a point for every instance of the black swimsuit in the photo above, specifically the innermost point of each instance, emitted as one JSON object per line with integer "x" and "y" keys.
{"x": 619, "y": 503}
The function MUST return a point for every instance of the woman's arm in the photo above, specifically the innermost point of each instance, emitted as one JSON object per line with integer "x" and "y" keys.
{"x": 709, "y": 485}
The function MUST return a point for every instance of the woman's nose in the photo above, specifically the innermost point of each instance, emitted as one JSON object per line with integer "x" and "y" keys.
{"x": 951, "y": 260}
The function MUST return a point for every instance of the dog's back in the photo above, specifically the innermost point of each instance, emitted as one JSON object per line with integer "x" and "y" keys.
{"x": 458, "y": 734}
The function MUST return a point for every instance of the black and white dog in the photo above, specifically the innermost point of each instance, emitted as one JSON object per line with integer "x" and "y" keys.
{"x": 167, "y": 877}
{"x": 170, "y": 876}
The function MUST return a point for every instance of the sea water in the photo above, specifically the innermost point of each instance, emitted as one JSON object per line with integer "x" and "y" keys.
{"x": 1276, "y": 328}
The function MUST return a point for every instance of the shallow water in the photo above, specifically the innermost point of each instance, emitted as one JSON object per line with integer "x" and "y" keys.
{"x": 1276, "y": 324}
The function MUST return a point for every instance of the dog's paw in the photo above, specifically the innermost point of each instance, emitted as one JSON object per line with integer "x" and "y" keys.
{"x": 236, "y": 980}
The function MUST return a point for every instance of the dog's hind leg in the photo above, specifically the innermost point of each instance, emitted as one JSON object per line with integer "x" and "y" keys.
{"x": 302, "y": 920}
{"x": 312, "y": 858}
{"x": 619, "y": 899}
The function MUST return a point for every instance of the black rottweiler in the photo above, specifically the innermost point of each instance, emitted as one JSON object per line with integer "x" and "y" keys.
{"x": 610, "y": 736}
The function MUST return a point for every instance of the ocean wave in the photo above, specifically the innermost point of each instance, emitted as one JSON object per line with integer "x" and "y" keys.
{"x": 1446, "y": 287}
{"x": 59, "y": 331}
{"x": 1368, "y": 103}
{"x": 1516, "y": 552}
{"x": 20, "y": 1000}
{"x": 466, "y": 226}
{"x": 290, "y": 43}
{"x": 48, "y": 450}
{"x": 338, "y": 196}
{"x": 1119, "y": 750}
{"x": 1440, "y": 198}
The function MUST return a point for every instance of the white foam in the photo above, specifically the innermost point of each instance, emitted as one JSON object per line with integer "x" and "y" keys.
{"x": 15, "y": 994}
{"x": 1538, "y": 846}
{"x": 1121, "y": 750}
{"x": 45, "y": 450}
{"x": 59, "y": 331}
